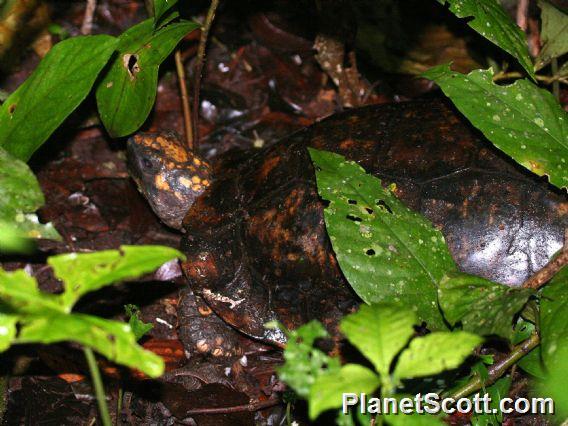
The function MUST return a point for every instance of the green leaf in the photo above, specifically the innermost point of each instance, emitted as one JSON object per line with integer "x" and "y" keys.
{"x": 57, "y": 86}
{"x": 20, "y": 197}
{"x": 20, "y": 292}
{"x": 554, "y": 318}
{"x": 531, "y": 362}
{"x": 497, "y": 391}
{"x": 482, "y": 306}
{"x": 493, "y": 23}
{"x": 12, "y": 240}
{"x": 413, "y": 420}
{"x": 380, "y": 332}
{"x": 7, "y": 330}
{"x": 139, "y": 327}
{"x": 160, "y": 8}
{"x": 520, "y": 119}
{"x": 553, "y": 35}
{"x": 555, "y": 385}
{"x": 386, "y": 251}
{"x": 327, "y": 390}
{"x": 83, "y": 273}
{"x": 113, "y": 339}
{"x": 304, "y": 363}
{"x": 126, "y": 94}
{"x": 435, "y": 353}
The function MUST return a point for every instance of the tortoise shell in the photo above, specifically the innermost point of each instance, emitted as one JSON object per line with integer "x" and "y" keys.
{"x": 256, "y": 244}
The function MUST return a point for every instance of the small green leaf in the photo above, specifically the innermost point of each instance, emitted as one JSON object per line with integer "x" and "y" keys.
{"x": 20, "y": 197}
{"x": 386, "y": 251}
{"x": 304, "y": 363}
{"x": 493, "y": 23}
{"x": 497, "y": 391}
{"x": 58, "y": 85}
{"x": 554, "y": 318}
{"x": 113, "y": 339}
{"x": 327, "y": 390}
{"x": 482, "y": 306}
{"x": 520, "y": 119}
{"x": 139, "y": 327}
{"x": 20, "y": 292}
{"x": 160, "y": 8}
{"x": 553, "y": 35}
{"x": 435, "y": 353}
{"x": 380, "y": 332}
{"x": 83, "y": 273}
{"x": 7, "y": 330}
{"x": 126, "y": 94}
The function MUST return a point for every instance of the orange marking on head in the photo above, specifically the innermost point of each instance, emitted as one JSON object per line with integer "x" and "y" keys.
{"x": 197, "y": 188}
{"x": 185, "y": 182}
{"x": 196, "y": 161}
{"x": 196, "y": 179}
{"x": 205, "y": 182}
{"x": 161, "y": 183}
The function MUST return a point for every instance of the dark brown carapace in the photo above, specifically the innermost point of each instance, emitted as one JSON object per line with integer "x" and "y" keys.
{"x": 166, "y": 174}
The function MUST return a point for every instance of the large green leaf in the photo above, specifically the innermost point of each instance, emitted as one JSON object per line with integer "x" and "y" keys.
{"x": 126, "y": 94}
{"x": 493, "y": 23}
{"x": 304, "y": 363}
{"x": 554, "y": 318}
{"x": 520, "y": 119}
{"x": 554, "y": 34}
{"x": 482, "y": 306}
{"x": 327, "y": 391}
{"x": 113, "y": 339}
{"x": 555, "y": 386}
{"x": 434, "y": 353}
{"x": 379, "y": 331}
{"x": 20, "y": 197}
{"x": 88, "y": 272}
{"x": 386, "y": 251}
{"x": 58, "y": 85}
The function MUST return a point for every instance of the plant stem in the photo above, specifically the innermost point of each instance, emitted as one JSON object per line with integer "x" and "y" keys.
{"x": 497, "y": 370}
{"x": 184, "y": 101}
{"x": 98, "y": 385}
{"x": 199, "y": 68}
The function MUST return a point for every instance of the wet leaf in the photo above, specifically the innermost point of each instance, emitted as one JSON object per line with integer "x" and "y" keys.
{"x": 386, "y": 251}
{"x": 379, "y": 331}
{"x": 57, "y": 86}
{"x": 434, "y": 353}
{"x": 115, "y": 340}
{"x": 126, "y": 93}
{"x": 327, "y": 391}
{"x": 492, "y": 22}
{"x": 480, "y": 305}
{"x": 554, "y": 318}
{"x": 554, "y": 34}
{"x": 86, "y": 272}
{"x": 20, "y": 197}
{"x": 520, "y": 119}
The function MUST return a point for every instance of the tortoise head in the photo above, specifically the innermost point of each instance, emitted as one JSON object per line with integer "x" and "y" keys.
{"x": 166, "y": 174}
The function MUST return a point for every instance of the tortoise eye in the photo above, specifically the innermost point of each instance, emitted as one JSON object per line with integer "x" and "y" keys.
{"x": 147, "y": 164}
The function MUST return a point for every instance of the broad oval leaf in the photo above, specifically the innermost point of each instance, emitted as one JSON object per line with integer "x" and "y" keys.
{"x": 379, "y": 331}
{"x": 20, "y": 197}
{"x": 482, "y": 306}
{"x": 554, "y": 318}
{"x": 113, "y": 339}
{"x": 62, "y": 80}
{"x": 86, "y": 272}
{"x": 554, "y": 34}
{"x": 327, "y": 391}
{"x": 493, "y": 23}
{"x": 126, "y": 93}
{"x": 434, "y": 353}
{"x": 520, "y": 119}
{"x": 386, "y": 251}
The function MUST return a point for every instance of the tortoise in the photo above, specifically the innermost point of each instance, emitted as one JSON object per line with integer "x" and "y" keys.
{"x": 254, "y": 232}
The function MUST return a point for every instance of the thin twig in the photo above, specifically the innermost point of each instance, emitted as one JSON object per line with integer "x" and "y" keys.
{"x": 497, "y": 370}
{"x": 550, "y": 269}
{"x": 522, "y": 11}
{"x": 87, "y": 26}
{"x": 184, "y": 101}
{"x": 252, "y": 407}
{"x": 516, "y": 75}
{"x": 199, "y": 68}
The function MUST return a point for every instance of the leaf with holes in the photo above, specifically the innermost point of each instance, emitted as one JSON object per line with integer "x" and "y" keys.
{"x": 554, "y": 34}
{"x": 57, "y": 86}
{"x": 520, "y": 119}
{"x": 20, "y": 197}
{"x": 492, "y": 22}
{"x": 386, "y": 251}
{"x": 126, "y": 93}
{"x": 482, "y": 306}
